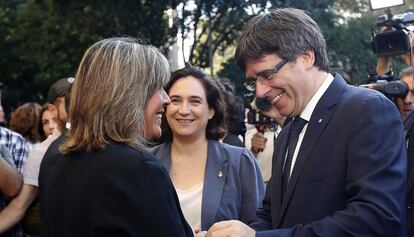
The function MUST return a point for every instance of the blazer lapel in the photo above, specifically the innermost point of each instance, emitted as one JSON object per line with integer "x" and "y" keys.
{"x": 163, "y": 153}
{"x": 214, "y": 178}
{"x": 320, "y": 118}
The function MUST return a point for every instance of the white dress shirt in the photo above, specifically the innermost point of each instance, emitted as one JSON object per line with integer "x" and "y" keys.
{"x": 307, "y": 113}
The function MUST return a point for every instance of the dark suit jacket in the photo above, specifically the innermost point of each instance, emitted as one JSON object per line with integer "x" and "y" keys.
{"x": 236, "y": 194}
{"x": 409, "y": 127}
{"x": 233, "y": 139}
{"x": 117, "y": 191}
{"x": 350, "y": 173}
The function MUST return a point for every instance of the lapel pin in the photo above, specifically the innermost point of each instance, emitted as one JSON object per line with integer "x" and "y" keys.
{"x": 320, "y": 120}
{"x": 220, "y": 174}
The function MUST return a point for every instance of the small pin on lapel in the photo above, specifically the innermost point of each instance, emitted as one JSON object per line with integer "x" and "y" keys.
{"x": 320, "y": 120}
{"x": 220, "y": 174}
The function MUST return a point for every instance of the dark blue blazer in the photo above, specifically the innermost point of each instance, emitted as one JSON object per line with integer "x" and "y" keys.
{"x": 117, "y": 191}
{"x": 236, "y": 193}
{"x": 409, "y": 128}
{"x": 350, "y": 173}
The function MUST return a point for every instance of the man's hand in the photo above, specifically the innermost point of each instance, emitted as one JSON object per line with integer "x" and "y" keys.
{"x": 258, "y": 142}
{"x": 230, "y": 229}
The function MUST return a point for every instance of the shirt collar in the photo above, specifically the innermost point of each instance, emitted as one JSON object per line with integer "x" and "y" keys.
{"x": 310, "y": 107}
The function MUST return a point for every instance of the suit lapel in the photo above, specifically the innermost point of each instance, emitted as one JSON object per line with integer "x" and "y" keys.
{"x": 214, "y": 177}
{"x": 278, "y": 160}
{"x": 320, "y": 118}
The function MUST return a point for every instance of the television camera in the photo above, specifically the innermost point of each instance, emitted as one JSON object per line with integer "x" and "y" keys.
{"x": 389, "y": 86}
{"x": 393, "y": 38}
{"x": 255, "y": 117}
{"x": 396, "y": 40}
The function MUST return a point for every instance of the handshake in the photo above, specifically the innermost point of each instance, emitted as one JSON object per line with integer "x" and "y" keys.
{"x": 231, "y": 228}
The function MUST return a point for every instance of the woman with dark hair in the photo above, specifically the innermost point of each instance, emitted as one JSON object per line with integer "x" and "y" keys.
{"x": 104, "y": 182}
{"x": 48, "y": 120}
{"x": 25, "y": 120}
{"x": 214, "y": 181}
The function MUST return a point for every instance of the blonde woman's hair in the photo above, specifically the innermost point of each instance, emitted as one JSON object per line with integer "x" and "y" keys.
{"x": 114, "y": 82}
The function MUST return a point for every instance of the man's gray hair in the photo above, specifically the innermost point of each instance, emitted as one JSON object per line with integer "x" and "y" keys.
{"x": 287, "y": 32}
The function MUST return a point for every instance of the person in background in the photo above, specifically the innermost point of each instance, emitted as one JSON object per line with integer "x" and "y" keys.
{"x": 103, "y": 181}
{"x": 56, "y": 96}
{"x": 25, "y": 120}
{"x": 406, "y": 104}
{"x": 10, "y": 183}
{"x": 7, "y": 156}
{"x": 234, "y": 110}
{"x": 24, "y": 202}
{"x": 339, "y": 167}
{"x": 2, "y": 117}
{"x": 12, "y": 145}
{"x": 409, "y": 129}
{"x": 261, "y": 140}
{"x": 48, "y": 122}
{"x": 214, "y": 181}
{"x": 406, "y": 107}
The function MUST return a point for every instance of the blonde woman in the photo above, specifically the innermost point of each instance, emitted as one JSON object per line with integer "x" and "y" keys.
{"x": 102, "y": 181}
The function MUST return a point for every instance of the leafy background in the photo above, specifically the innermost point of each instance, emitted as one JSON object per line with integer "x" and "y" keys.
{"x": 43, "y": 40}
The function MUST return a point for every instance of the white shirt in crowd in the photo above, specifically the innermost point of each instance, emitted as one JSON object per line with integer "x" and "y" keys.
{"x": 31, "y": 168}
{"x": 264, "y": 158}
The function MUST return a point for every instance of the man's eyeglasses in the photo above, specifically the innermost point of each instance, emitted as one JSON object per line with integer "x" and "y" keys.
{"x": 266, "y": 75}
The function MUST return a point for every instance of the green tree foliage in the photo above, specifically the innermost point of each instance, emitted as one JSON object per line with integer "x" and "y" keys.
{"x": 44, "y": 40}
{"x": 225, "y": 18}
{"x": 349, "y": 48}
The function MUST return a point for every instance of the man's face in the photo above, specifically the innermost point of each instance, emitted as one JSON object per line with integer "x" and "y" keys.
{"x": 288, "y": 89}
{"x": 2, "y": 116}
{"x": 406, "y": 104}
{"x": 61, "y": 113}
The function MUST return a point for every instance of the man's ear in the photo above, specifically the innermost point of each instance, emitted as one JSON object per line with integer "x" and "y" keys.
{"x": 308, "y": 58}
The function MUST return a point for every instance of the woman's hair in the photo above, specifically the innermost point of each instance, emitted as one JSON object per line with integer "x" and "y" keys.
{"x": 25, "y": 120}
{"x": 234, "y": 107}
{"x": 113, "y": 84}
{"x": 215, "y": 127}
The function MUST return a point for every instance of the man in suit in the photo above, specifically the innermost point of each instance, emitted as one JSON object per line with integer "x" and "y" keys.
{"x": 409, "y": 128}
{"x": 339, "y": 168}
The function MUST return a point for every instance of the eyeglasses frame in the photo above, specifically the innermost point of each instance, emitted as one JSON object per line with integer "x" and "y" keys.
{"x": 250, "y": 83}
